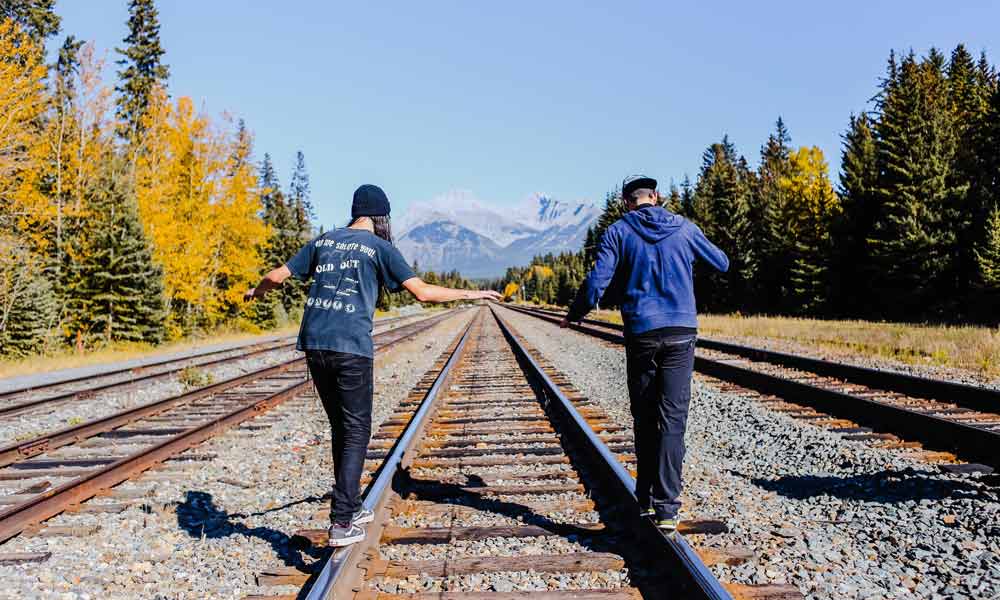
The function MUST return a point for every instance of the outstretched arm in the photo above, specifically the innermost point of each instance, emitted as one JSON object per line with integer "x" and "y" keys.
{"x": 709, "y": 252}
{"x": 597, "y": 280}
{"x": 272, "y": 280}
{"x": 428, "y": 292}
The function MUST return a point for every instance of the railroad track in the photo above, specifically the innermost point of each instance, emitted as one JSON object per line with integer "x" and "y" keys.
{"x": 948, "y": 419}
{"x": 62, "y": 469}
{"x": 29, "y": 398}
{"x": 496, "y": 480}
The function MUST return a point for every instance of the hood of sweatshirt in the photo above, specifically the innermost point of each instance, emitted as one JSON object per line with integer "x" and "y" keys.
{"x": 653, "y": 223}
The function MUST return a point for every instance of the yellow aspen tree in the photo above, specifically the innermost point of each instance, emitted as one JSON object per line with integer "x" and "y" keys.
{"x": 199, "y": 204}
{"x": 810, "y": 209}
{"x": 78, "y": 139}
{"x": 23, "y": 99}
{"x": 242, "y": 231}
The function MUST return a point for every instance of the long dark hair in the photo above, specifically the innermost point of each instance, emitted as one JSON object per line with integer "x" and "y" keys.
{"x": 383, "y": 229}
{"x": 382, "y": 225}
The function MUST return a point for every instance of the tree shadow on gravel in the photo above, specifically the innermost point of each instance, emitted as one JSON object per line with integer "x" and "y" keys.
{"x": 200, "y": 517}
{"x": 883, "y": 486}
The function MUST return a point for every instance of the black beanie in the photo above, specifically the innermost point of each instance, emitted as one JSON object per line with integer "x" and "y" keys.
{"x": 369, "y": 201}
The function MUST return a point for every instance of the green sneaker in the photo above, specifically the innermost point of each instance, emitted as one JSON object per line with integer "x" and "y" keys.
{"x": 647, "y": 512}
{"x": 667, "y": 524}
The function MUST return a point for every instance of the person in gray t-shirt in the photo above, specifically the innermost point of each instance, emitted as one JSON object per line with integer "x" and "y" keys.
{"x": 348, "y": 267}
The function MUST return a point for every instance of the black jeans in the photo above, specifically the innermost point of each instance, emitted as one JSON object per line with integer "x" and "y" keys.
{"x": 344, "y": 383}
{"x": 659, "y": 387}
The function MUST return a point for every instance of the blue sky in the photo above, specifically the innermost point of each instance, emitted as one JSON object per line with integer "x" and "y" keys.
{"x": 510, "y": 98}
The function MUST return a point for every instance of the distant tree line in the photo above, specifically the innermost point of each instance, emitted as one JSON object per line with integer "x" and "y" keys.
{"x": 452, "y": 279}
{"x": 911, "y": 231}
{"x": 126, "y": 215}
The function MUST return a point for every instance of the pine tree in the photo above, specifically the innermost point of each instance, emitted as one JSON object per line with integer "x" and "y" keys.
{"x": 913, "y": 239}
{"x": 116, "y": 290}
{"x": 851, "y": 267}
{"x": 687, "y": 196}
{"x": 672, "y": 201}
{"x": 988, "y": 253}
{"x": 28, "y": 308}
{"x": 37, "y": 17}
{"x": 720, "y": 208}
{"x": 143, "y": 69}
{"x": 286, "y": 237}
{"x": 968, "y": 94}
{"x": 270, "y": 188}
{"x": 769, "y": 246}
{"x": 299, "y": 200}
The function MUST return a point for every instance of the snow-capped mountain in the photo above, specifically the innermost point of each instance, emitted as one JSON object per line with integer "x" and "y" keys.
{"x": 458, "y": 231}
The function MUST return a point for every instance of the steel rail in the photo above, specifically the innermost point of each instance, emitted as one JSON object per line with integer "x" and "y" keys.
{"x": 967, "y": 396}
{"x": 52, "y": 502}
{"x": 697, "y": 580}
{"x": 334, "y": 579}
{"x": 81, "y": 394}
{"x": 969, "y": 441}
{"x": 137, "y": 376}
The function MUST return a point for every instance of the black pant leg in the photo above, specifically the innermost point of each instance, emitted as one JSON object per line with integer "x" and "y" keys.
{"x": 675, "y": 363}
{"x": 640, "y": 354}
{"x": 355, "y": 388}
{"x": 324, "y": 378}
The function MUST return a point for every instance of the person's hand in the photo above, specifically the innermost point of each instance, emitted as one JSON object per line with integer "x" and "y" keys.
{"x": 490, "y": 295}
{"x": 250, "y": 295}
{"x": 564, "y": 323}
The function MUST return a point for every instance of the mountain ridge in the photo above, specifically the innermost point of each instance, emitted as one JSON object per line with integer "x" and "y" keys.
{"x": 457, "y": 231}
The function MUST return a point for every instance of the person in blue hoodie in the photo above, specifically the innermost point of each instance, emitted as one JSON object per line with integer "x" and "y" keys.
{"x": 651, "y": 251}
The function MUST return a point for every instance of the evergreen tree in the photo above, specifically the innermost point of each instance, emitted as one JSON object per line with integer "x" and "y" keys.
{"x": 913, "y": 237}
{"x": 116, "y": 290}
{"x": 299, "y": 200}
{"x": 721, "y": 209}
{"x": 687, "y": 196}
{"x": 851, "y": 268}
{"x": 37, "y": 17}
{"x": 769, "y": 247}
{"x": 28, "y": 307}
{"x": 988, "y": 253}
{"x": 672, "y": 201}
{"x": 968, "y": 95}
{"x": 143, "y": 69}
{"x": 287, "y": 238}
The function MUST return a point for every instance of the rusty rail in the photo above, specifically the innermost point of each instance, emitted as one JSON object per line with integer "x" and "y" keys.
{"x": 52, "y": 502}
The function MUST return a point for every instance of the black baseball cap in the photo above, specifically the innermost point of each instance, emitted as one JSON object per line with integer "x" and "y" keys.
{"x": 636, "y": 182}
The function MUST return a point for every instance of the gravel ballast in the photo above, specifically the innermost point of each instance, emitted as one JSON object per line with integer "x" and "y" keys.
{"x": 837, "y": 518}
{"x": 204, "y": 529}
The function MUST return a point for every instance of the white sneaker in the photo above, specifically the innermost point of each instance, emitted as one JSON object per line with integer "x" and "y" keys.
{"x": 344, "y": 535}
{"x": 362, "y": 516}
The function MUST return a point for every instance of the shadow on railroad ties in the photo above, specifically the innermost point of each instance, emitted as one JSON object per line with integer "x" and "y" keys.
{"x": 464, "y": 495}
{"x": 887, "y": 486}
{"x": 200, "y": 517}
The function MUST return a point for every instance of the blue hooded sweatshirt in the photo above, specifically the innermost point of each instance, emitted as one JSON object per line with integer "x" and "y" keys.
{"x": 652, "y": 251}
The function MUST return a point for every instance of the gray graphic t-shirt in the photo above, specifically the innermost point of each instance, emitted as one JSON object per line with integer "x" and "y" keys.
{"x": 347, "y": 266}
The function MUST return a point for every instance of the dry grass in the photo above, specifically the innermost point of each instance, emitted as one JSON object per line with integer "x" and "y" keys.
{"x": 967, "y": 347}
{"x": 972, "y": 348}
{"x": 68, "y": 358}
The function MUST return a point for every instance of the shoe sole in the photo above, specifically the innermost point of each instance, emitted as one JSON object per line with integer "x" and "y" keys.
{"x": 341, "y": 542}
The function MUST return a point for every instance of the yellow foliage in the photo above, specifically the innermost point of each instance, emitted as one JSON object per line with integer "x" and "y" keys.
{"x": 812, "y": 200}
{"x": 22, "y": 101}
{"x": 510, "y": 290}
{"x": 543, "y": 272}
{"x": 198, "y": 201}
